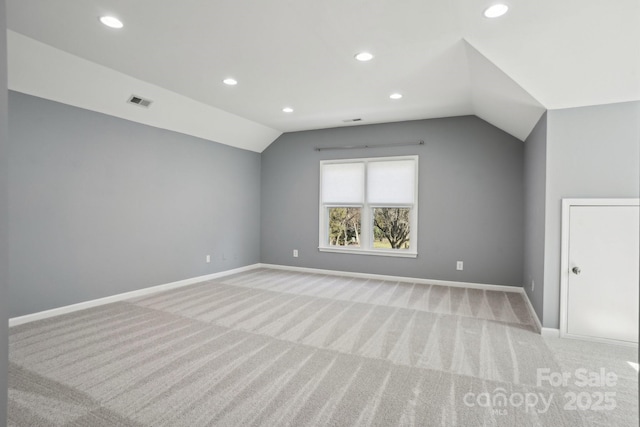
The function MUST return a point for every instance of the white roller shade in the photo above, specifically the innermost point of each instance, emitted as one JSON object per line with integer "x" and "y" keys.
{"x": 343, "y": 183}
{"x": 391, "y": 182}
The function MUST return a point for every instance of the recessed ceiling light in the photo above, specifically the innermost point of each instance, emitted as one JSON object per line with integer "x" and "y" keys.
{"x": 395, "y": 96}
{"x": 496, "y": 10}
{"x": 111, "y": 22}
{"x": 364, "y": 56}
{"x": 287, "y": 110}
{"x": 229, "y": 81}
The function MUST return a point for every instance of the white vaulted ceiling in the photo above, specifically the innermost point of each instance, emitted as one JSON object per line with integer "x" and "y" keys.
{"x": 445, "y": 57}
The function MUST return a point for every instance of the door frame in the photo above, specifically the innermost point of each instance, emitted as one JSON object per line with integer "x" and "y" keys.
{"x": 564, "y": 262}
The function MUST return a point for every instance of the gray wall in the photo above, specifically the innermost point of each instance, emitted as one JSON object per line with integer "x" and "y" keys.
{"x": 591, "y": 152}
{"x": 470, "y": 199}
{"x": 101, "y": 205}
{"x": 4, "y": 307}
{"x": 535, "y": 167}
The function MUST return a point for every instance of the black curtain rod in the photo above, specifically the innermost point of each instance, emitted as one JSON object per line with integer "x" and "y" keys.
{"x": 354, "y": 147}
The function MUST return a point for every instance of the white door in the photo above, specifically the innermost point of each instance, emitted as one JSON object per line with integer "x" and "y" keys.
{"x": 603, "y": 272}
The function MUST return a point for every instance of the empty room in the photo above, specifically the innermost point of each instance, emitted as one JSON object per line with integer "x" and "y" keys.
{"x": 329, "y": 213}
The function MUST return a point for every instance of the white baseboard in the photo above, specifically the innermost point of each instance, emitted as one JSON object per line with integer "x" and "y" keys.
{"x": 597, "y": 340}
{"x": 488, "y": 287}
{"x": 186, "y": 282}
{"x": 15, "y": 321}
{"x": 536, "y": 319}
{"x": 484, "y": 286}
{"x": 557, "y": 333}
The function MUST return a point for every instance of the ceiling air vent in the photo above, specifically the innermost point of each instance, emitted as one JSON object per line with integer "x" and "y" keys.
{"x": 138, "y": 100}
{"x": 351, "y": 120}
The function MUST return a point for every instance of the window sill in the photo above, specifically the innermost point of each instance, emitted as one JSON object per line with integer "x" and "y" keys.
{"x": 375, "y": 252}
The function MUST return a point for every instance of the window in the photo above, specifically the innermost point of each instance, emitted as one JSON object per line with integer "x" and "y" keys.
{"x": 369, "y": 206}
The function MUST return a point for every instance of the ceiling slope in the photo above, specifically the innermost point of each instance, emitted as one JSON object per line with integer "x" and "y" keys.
{"x": 568, "y": 53}
{"x": 44, "y": 71}
{"x": 500, "y": 100}
{"x": 446, "y": 59}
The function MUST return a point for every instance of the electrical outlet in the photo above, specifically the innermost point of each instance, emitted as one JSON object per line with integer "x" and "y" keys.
{"x": 295, "y": 253}
{"x": 208, "y": 258}
{"x": 459, "y": 265}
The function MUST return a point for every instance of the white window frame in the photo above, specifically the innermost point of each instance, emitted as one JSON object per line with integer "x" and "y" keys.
{"x": 366, "y": 236}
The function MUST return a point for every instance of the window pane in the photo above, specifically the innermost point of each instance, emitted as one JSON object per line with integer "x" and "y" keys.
{"x": 391, "y": 228}
{"x": 391, "y": 182}
{"x": 343, "y": 183}
{"x": 344, "y": 227}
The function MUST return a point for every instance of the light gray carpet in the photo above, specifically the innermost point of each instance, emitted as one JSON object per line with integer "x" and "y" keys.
{"x": 276, "y": 348}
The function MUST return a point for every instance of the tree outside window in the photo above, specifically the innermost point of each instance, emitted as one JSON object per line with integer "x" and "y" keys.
{"x": 391, "y": 228}
{"x": 344, "y": 226}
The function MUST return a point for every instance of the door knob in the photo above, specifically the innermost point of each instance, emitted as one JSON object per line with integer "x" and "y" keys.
{"x": 576, "y": 270}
